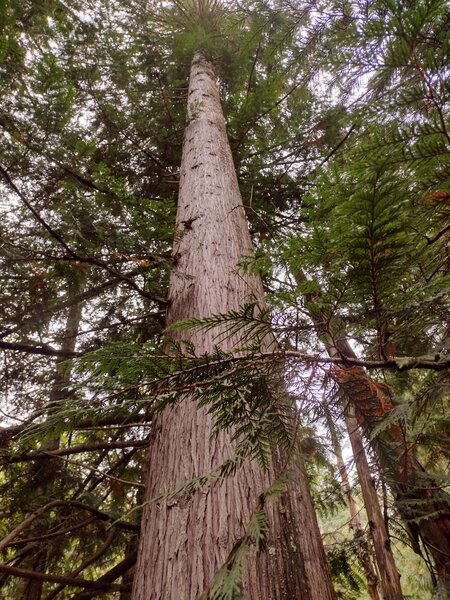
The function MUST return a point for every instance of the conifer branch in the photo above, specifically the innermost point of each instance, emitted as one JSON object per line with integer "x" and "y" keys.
{"x": 102, "y": 516}
{"x": 88, "y": 447}
{"x": 125, "y": 565}
{"x": 43, "y": 350}
{"x": 90, "y": 561}
{"x": 405, "y": 363}
{"x": 71, "y": 254}
{"x": 102, "y": 586}
{"x": 53, "y": 534}
{"x": 438, "y": 235}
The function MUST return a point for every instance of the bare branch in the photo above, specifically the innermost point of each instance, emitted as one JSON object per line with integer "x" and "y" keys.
{"x": 74, "y": 582}
{"x": 111, "y": 575}
{"x": 74, "y": 503}
{"x": 44, "y": 350}
{"x": 92, "y": 447}
{"x": 53, "y": 534}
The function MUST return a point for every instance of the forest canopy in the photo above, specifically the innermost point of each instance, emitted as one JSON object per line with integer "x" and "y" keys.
{"x": 308, "y": 372}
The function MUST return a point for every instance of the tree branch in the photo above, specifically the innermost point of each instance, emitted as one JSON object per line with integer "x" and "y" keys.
{"x": 92, "y": 447}
{"x": 74, "y": 582}
{"x": 53, "y": 534}
{"x": 44, "y": 350}
{"x": 118, "y": 570}
{"x": 404, "y": 363}
{"x": 438, "y": 235}
{"x": 71, "y": 254}
{"x": 91, "y": 560}
{"x": 25, "y": 318}
{"x": 76, "y": 504}
{"x": 336, "y": 148}
{"x": 124, "y": 420}
{"x": 54, "y": 234}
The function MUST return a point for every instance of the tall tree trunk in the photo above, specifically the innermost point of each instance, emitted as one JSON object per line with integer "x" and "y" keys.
{"x": 186, "y": 540}
{"x": 362, "y": 547}
{"x": 389, "y": 576}
{"x": 44, "y": 473}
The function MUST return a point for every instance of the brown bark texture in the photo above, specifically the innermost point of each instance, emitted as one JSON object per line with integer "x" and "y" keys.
{"x": 387, "y": 570}
{"x": 389, "y": 576}
{"x": 185, "y": 540}
{"x": 362, "y": 547}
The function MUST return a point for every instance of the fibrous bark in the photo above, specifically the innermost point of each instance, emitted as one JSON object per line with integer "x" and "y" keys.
{"x": 185, "y": 540}
{"x": 389, "y": 576}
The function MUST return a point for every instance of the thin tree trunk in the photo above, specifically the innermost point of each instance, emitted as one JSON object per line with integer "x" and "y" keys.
{"x": 362, "y": 547}
{"x": 44, "y": 474}
{"x": 186, "y": 540}
{"x": 389, "y": 577}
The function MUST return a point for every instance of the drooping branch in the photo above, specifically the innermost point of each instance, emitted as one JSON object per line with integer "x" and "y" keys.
{"x": 119, "y": 420}
{"x": 70, "y": 253}
{"x": 50, "y": 310}
{"x": 111, "y": 575}
{"x": 53, "y": 534}
{"x": 90, "y": 561}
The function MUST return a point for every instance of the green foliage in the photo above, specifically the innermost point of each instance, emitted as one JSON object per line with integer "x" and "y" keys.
{"x": 338, "y": 121}
{"x": 250, "y": 322}
{"x": 245, "y": 396}
{"x": 347, "y": 577}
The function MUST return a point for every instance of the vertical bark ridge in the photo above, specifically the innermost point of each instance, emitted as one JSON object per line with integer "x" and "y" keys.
{"x": 184, "y": 541}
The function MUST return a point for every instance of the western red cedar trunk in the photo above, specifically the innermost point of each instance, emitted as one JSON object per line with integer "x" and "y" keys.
{"x": 185, "y": 541}
{"x": 389, "y": 577}
{"x": 387, "y": 570}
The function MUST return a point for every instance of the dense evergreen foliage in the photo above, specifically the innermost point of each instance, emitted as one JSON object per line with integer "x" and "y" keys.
{"x": 339, "y": 125}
